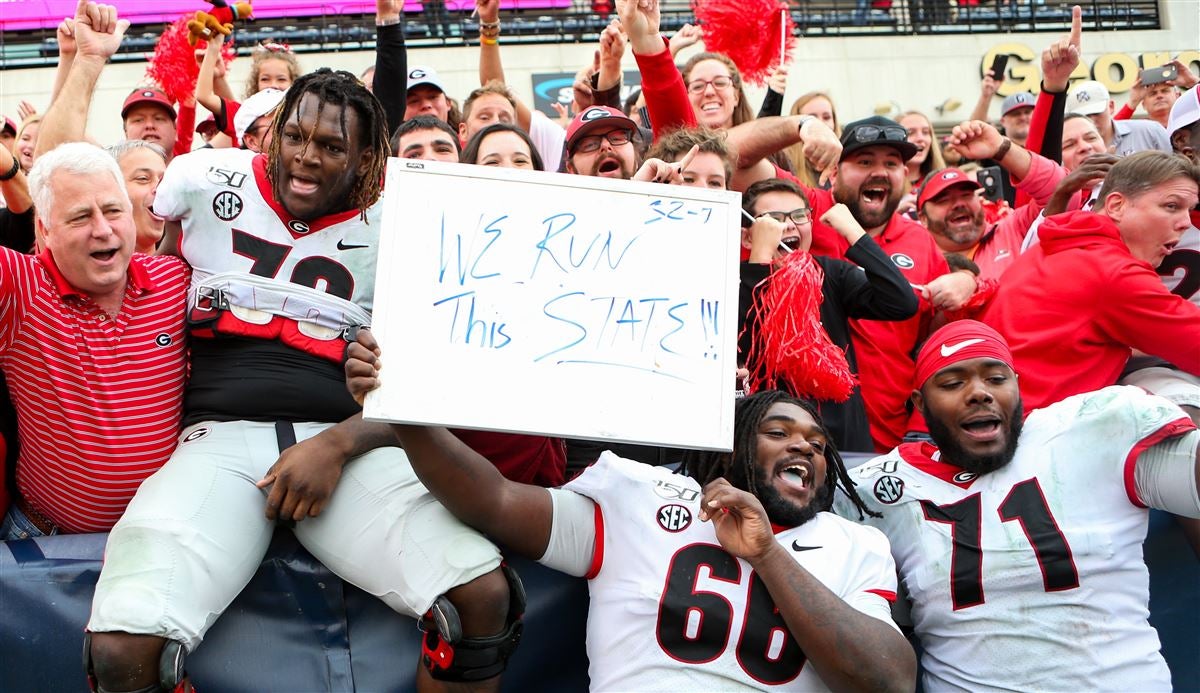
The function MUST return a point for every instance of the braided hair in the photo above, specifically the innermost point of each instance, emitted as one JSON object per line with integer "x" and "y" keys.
{"x": 343, "y": 89}
{"x": 738, "y": 467}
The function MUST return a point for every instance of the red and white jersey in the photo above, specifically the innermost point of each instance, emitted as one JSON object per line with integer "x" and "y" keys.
{"x": 673, "y": 611}
{"x": 232, "y": 223}
{"x": 1030, "y": 577}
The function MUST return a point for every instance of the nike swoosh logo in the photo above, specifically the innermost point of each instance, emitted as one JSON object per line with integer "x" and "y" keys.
{"x": 797, "y": 547}
{"x": 951, "y": 350}
{"x": 341, "y": 245}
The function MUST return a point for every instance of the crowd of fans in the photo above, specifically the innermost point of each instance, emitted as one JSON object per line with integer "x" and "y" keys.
{"x": 169, "y": 383}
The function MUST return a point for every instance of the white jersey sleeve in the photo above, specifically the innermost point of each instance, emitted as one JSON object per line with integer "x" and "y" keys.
{"x": 1030, "y": 577}
{"x": 572, "y": 545}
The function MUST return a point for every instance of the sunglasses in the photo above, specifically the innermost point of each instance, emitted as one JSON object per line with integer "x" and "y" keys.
{"x": 875, "y": 133}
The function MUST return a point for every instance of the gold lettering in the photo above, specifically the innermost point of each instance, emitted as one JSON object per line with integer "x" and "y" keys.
{"x": 1102, "y": 71}
{"x": 1023, "y": 75}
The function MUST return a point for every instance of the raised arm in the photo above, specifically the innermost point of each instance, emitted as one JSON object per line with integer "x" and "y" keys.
{"x": 517, "y": 515}
{"x": 879, "y": 291}
{"x": 15, "y": 190}
{"x": 66, "y": 55}
{"x": 987, "y": 90}
{"x": 978, "y": 140}
{"x": 757, "y": 139}
{"x": 662, "y": 85}
{"x": 391, "y": 61}
{"x": 206, "y": 81}
{"x": 98, "y": 34}
{"x": 849, "y": 649}
{"x": 1059, "y": 60}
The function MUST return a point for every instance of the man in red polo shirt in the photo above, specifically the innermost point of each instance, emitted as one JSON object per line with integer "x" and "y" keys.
{"x": 91, "y": 342}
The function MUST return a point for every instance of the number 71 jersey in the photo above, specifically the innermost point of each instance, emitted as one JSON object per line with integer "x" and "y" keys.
{"x": 1031, "y": 577}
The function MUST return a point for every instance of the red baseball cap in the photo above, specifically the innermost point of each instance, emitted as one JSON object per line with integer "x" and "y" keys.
{"x": 596, "y": 118}
{"x": 9, "y": 125}
{"x": 143, "y": 95}
{"x": 938, "y": 181}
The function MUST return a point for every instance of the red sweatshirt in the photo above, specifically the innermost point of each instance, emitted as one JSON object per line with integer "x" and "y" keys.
{"x": 1073, "y": 306}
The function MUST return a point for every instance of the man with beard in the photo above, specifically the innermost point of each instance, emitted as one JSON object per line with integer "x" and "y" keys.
{"x": 869, "y": 180}
{"x": 1020, "y": 545}
{"x": 600, "y": 143}
{"x": 766, "y": 589}
{"x": 950, "y": 208}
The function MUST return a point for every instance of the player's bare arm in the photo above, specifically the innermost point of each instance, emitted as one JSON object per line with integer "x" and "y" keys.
{"x": 850, "y": 650}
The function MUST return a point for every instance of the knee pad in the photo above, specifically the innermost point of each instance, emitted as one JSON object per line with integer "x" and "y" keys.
{"x": 172, "y": 677}
{"x": 451, "y": 657}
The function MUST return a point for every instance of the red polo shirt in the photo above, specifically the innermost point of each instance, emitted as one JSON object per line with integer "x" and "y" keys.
{"x": 98, "y": 399}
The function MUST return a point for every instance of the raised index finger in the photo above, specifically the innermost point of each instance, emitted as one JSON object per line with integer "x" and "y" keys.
{"x": 687, "y": 158}
{"x": 1076, "y": 25}
{"x": 81, "y": 9}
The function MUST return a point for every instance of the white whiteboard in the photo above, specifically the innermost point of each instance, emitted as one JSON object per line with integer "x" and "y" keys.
{"x": 556, "y": 304}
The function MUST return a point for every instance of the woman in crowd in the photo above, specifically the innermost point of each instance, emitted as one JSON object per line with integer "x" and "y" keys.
{"x": 504, "y": 145}
{"x": 819, "y": 104}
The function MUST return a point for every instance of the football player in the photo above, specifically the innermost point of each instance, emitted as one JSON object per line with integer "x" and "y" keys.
{"x": 731, "y": 575}
{"x": 283, "y": 248}
{"x": 1020, "y": 542}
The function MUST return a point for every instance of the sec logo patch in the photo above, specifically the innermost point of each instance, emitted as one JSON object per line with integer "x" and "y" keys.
{"x": 674, "y": 517}
{"x": 889, "y": 489}
{"x": 227, "y": 205}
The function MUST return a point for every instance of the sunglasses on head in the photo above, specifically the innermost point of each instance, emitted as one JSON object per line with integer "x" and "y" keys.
{"x": 875, "y": 133}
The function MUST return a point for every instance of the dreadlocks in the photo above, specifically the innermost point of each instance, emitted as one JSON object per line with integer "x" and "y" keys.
{"x": 738, "y": 467}
{"x": 343, "y": 89}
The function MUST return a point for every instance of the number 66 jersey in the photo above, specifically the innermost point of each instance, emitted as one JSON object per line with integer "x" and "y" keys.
{"x": 1031, "y": 577}
{"x": 671, "y": 610}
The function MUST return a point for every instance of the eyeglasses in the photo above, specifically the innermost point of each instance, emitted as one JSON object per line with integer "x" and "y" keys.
{"x": 874, "y": 133}
{"x": 698, "y": 86}
{"x": 798, "y": 216}
{"x": 592, "y": 142}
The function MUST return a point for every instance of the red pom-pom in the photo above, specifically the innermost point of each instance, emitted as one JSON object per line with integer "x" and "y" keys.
{"x": 173, "y": 66}
{"x": 790, "y": 344}
{"x": 748, "y": 31}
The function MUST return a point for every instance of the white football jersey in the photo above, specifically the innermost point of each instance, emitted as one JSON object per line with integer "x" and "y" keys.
{"x": 1181, "y": 268}
{"x": 232, "y": 223}
{"x": 1030, "y": 577}
{"x": 673, "y": 611}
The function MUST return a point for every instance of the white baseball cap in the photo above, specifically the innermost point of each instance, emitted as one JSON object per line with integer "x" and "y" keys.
{"x": 255, "y": 107}
{"x": 1089, "y": 97}
{"x": 424, "y": 75}
{"x": 1185, "y": 111}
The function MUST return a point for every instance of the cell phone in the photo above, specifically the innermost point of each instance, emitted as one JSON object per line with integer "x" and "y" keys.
{"x": 1160, "y": 74}
{"x": 999, "y": 65}
{"x": 992, "y": 181}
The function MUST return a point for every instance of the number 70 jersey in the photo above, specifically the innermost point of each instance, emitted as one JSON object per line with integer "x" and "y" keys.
{"x": 232, "y": 223}
{"x": 1031, "y": 577}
